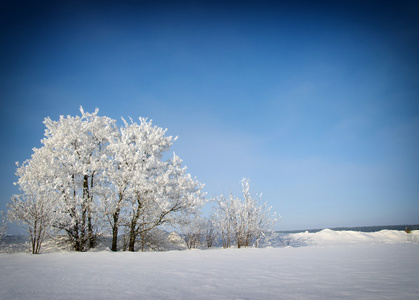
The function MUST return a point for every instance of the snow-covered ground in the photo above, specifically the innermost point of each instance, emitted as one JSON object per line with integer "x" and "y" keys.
{"x": 331, "y": 265}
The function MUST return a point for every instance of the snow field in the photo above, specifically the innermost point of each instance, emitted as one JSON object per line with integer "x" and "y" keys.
{"x": 380, "y": 271}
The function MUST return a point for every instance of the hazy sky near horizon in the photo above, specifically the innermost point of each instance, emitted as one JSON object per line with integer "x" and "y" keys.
{"x": 317, "y": 103}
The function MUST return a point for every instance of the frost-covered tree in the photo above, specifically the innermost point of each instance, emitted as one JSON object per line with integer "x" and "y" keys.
{"x": 136, "y": 162}
{"x": 223, "y": 217}
{"x": 242, "y": 221}
{"x": 77, "y": 146}
{"x": 163, "y": 196}
{"x": 193, "y": 231}
{"x": 73, "y": 159}
{"x": 210, "y": 231}
{"x": 142, "y": 191}
{"x": 35, "y": 208}
{"x": 254, "y": 218}
{"x": 119, "y": 176}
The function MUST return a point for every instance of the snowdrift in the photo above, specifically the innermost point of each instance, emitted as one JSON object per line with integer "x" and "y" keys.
{"x": 329, "y": 237}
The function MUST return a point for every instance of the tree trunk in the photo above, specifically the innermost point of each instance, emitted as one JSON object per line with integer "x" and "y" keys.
{"x": 133, "y": 231}
{"x": 115, "y": 231}
{"x": 143, "y": 235}
{"x": 74, "y": 232}
{"x": 90, "y": 235}
{"x": 132, "y": 234}
{"x": 132, "y": 237}
{"x": 77, "y": 245}
{"x": 84, "y": 206}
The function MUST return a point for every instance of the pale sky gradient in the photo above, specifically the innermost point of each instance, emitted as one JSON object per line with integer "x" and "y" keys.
{"x": 318, "y": 104}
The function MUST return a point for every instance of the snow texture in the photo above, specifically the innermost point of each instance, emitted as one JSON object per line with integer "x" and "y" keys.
{"x": 333, "y": 265}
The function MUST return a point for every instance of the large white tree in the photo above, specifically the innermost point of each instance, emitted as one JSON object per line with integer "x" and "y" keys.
{"x": 78, "y": 148}
{"x": 130, "y": 193}
{"x": 161, "y": 192}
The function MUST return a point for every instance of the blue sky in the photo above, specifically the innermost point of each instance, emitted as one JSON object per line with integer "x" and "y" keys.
{"x": 316, "y": 103}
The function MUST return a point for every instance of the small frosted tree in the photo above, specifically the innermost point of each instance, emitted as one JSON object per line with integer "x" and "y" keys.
{"x": 35, "y": 216}
{"x": 35, "y": 209}
{"x": 243, "y": 221}
{"x": 210, "y": 231}
{"x": 254, "y": 218}
{"x": 193, "y": 231}
{"x": 223, "y": 217}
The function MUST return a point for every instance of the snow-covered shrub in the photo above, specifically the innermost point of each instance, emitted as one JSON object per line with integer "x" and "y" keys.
{"x": 210, "y": 231}
{"x": 193, "y": 232}
{"x": 242, "y": 221}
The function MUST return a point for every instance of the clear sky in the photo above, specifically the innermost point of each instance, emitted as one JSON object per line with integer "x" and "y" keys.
{"x": 317, "y": 102}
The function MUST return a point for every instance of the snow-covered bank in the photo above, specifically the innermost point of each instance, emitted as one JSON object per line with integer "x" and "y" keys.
{"x": 172, "y": 241}
{"x": 386, "y": 271}
{"x": 328, "y": 237}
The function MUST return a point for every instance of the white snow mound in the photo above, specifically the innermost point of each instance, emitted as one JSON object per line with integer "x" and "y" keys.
{"x": 329, "y": 237}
